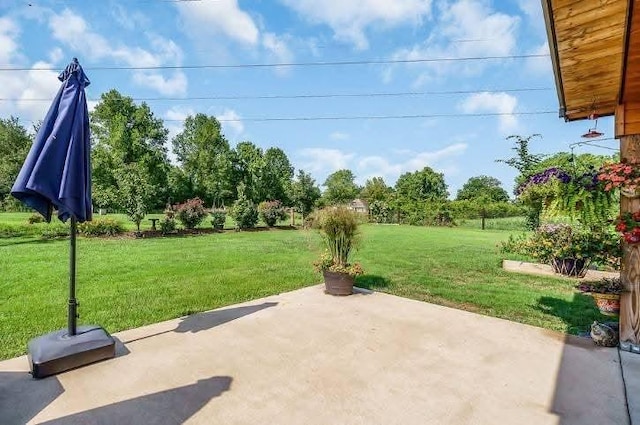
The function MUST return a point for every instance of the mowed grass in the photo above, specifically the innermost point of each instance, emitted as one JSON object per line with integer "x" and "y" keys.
{"x": 125, "y": 283}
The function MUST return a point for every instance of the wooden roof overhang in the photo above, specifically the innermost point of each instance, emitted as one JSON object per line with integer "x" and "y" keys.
{"x": 595, "y": 67}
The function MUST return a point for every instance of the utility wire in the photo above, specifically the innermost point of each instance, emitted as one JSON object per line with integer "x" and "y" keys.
{"x": 300, "y": 96}
{"x": 367, "y": 117}
{"x": 286, "y": 64}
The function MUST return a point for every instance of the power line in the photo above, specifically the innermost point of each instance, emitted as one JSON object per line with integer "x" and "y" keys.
{"x": 303, "y": 96}
{"x": 286, "y": 64}
{"x": 366, "y": 117}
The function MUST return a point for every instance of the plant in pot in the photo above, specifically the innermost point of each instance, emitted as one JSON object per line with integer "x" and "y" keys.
{"x": 621, "y": 175}
{"x": 606, "y": 294}
{"x": 339, "y": 230}
{"x": 218, "y": 218}
{"x": 568, "y": 249}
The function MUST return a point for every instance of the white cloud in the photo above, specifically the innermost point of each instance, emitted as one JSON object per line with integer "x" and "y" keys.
{"x": 349, "y": 19}
{"x": 232, "y": 121}
{"x": 466, "y": 28}
{"x": 542, "y": 65}
{"x": 339, "y": 135}
{"x": 501, "y": 103}
{"x": 219, "y": 17}
{"x": 279, "y": 50}
{"x": 373, "y": 166}
{"x": 321, "y": 160}
{"x": 168, "y": 86}
{"x": 9, "y": 33}
{"x": 56, "y": 55}
{"x": 72, "y": 30}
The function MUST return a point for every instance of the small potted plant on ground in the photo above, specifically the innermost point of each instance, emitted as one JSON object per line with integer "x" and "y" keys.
{"x": 218, "y": 218}
{"x": 606, "y": 294}
{"x": 339, "y": 230}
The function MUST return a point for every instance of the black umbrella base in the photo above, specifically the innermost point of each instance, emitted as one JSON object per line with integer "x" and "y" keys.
{"x": 57, "y": 351}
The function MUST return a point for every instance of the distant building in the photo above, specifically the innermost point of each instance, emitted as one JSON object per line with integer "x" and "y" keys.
{"x": 359, "y": 206}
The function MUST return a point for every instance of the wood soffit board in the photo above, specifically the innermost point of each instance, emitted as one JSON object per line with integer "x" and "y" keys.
{"x": 586, "y": 39}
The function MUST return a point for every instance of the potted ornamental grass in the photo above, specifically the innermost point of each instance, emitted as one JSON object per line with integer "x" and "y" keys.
{"x": 338, "y": 227}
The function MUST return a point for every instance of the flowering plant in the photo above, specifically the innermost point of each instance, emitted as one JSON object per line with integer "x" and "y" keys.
{"x": 560, "y": 193}
{"x": 628, "y": 225}
{"x": 623, "y": 175}
{"x": 327, "y": 262}
{"x": 551, "y": 242}
{"x": 604, "y": 286}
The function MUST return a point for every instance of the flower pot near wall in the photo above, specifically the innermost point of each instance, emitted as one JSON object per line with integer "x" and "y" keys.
{"x": 608, "y": 304}
{"x": 573, "y": 267}
{"x": 338, "y": 283}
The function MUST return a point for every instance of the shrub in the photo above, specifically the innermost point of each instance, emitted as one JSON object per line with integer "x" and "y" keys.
{"x": 191, "y": 213}
{"x": 271, "y": 212}
{"x": 167, "y": 225}
{"x": 245, "y": 213}
{"x": 35, "y": 218}
{"x": 101, "y": 227}
{"x": 218, "y": 218}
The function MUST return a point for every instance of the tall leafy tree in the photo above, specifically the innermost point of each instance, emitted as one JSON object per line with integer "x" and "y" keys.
{"x": 276, "y": 176}
{"x": 483, "y": 187}
{"x": 304, "y": 193}
{"x": 421, "y": 186}
{"x": 375, "y": 189}
{"x": 205, "y": 156}
{"x": 124, "y": 133}
{"x": 15, "y": 142}
{"x": 248, "y": 162}
{"x": 340, "y": 188}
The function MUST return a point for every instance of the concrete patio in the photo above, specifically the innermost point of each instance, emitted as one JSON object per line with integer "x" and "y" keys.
{"x": 307, "y": 358}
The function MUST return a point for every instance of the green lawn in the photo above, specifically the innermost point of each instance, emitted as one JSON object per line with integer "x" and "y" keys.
{"x": 125, "y": 283}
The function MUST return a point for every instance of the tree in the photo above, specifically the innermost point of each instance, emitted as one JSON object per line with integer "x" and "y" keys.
{"x": 123, "y": 134}
{"x": 134, "y": 192}
{"x": 341, "y": 188}
{"x": 205, "y": 156}
{"x": 524, "y": 161}
{"x": 276, "y": 176}
{"x": 14, "y": 147}
{"x": 248, "y": 165}
{"x": 422, "y": 186}
{"x": 376, "y": 189}
{"x": 483, "y": 187}
{"x": 304, "y": 193}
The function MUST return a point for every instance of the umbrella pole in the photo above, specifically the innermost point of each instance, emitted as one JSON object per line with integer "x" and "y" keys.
{"x": 73, "y": 305}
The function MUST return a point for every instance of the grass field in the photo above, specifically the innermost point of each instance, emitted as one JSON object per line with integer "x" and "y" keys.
{"x": 125, "y": 283}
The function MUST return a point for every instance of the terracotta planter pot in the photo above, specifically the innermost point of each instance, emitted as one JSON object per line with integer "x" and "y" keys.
{"x": 338, "y": 283}
{"x": 608, "y": 304}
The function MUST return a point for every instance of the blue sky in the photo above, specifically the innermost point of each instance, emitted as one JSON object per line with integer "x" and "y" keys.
{"x": 157, "y": 33}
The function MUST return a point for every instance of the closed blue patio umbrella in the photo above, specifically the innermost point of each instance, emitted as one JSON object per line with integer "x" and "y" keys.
{"x": 57, "y": 175}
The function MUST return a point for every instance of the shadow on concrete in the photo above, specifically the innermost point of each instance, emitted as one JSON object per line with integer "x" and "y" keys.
{"x": 373, "y": 282}
{"x": 171, "y": 407}
{"x": 589, "y": 387}
{"x": 578, "y": 314}
{"x": 22, "y": 397}
{"x": 204, "y": 321}
{"x": 121, "y": 349}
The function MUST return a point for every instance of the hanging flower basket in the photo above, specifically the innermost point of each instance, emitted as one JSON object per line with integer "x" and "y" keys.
{"x": 621, "y": 175}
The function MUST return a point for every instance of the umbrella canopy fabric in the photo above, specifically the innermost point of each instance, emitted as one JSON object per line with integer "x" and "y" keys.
{"x": 57, "y": 170}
